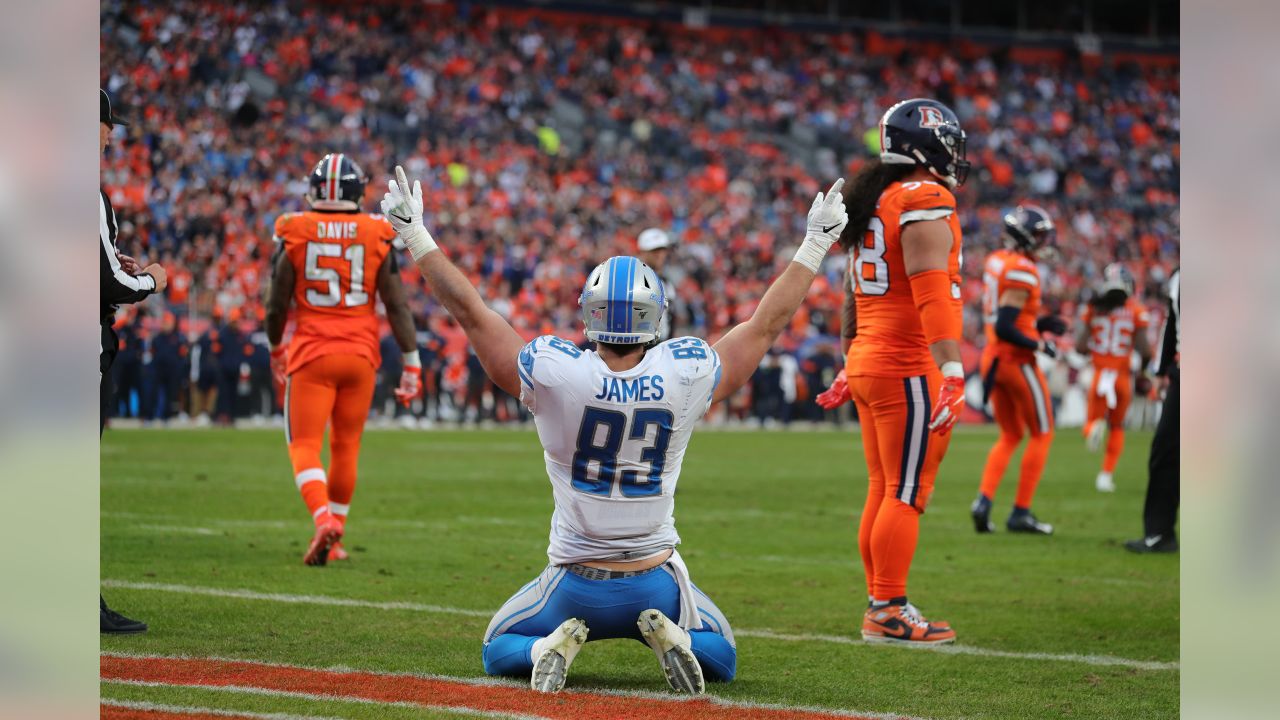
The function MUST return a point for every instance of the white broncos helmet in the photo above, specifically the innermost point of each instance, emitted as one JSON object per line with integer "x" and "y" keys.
{"x": 622, "y": 302}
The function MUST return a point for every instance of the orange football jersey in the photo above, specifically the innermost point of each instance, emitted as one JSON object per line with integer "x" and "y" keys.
{"x": 890, "y": 341}
{"x": 1009, "y": 270}
{"x": 335, "y": 257}
{"x": 1111, "y": 334}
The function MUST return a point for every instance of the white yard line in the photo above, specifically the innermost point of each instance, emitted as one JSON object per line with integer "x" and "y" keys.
{"x": 246, "y": 690}
{"x": 295, "y": 599}
{"x": 162, "y": 707}
{"x": 1098, "y": 660}
{"x": 971, "y": 650}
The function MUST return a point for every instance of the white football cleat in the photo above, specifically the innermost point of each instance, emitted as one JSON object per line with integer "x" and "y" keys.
{"x": 1105, "y": 483}
{"x": 553, "y": 654}
{"x": 1093, "y": 438}
{"x": 674, "y": 649}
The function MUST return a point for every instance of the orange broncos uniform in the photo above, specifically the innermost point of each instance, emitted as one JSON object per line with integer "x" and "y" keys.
{"x": 893, "y": 379}
{"x": 1013, "y": 381}
{"x": 1111, "y": 347}
{"x": 1010, "y": 373}
{"x": 333, "y": 355}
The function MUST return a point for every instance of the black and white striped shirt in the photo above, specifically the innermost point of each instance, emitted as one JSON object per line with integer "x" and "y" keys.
{"x": 117, "y": 286}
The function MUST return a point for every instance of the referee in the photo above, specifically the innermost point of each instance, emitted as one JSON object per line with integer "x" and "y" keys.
{"x": 1161, "y": 509}
{"x": 121, "y": 283}
{"x": 655, "y": 246}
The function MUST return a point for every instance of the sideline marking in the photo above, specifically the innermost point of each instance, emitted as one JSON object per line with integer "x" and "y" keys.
{"x": 317, "y": 697}
{"x": 502, "y": 699}
{"x": 240, "y": 594}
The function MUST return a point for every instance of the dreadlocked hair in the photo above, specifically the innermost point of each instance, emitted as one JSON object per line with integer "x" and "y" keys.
{"x": 863, "y": 192}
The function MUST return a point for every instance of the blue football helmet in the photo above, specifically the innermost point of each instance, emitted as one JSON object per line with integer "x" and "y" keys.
{"x": 927, "y": 133}
{"x": 1117, "y": 282}
{"x": 622, "y": 302}
{"x": 1029, "y": 228}
{"x": 337, "y": 183}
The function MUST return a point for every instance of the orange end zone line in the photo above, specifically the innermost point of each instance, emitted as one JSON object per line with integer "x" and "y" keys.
{"x": 429, "y": 691}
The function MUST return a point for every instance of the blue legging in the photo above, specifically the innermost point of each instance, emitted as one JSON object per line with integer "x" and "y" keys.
{"x": 610, "y": 609}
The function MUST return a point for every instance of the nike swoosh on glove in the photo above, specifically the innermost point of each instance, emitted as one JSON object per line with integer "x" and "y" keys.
{"x": 946, "y": 412}
{"x": 836, "y": 395}
{"x": 403, "y": 209}
{"x": 826, "y": 220}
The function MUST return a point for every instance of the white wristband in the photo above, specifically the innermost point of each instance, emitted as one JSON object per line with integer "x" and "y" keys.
{"x": 952, "y": 369}
{"x": 811, "y": 253}
{"x": 411, "y": 359}
{"x": 419, "y": 241}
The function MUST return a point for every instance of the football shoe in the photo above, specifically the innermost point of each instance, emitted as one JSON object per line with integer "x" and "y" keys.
{"x": 674, "y": 648}
{"x": 900, "y": 623}
{"x": 553, "y": 654}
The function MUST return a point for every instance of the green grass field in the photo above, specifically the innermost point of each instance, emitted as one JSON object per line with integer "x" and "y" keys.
{"x": 458, "y": 520}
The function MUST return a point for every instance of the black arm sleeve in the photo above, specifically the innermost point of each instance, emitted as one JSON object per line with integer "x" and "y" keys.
{"x": 1168, "y": 343}
{"x": 1006, "y": 318}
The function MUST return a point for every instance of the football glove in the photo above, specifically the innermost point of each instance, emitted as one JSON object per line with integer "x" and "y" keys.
{"x": 950, "y": 399}
{"x": 1048, "y": 348}
{"x": 836, "y": 395}
{"x": 410, "y": 380}
{"x": 279, "y": 364}
{"x": 1052, "y": 324}
{"x": 827, "y": 219}
{"x": 403, "y": 207}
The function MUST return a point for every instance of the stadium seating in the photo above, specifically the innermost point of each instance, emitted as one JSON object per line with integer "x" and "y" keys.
{"x": 547, "y": 142}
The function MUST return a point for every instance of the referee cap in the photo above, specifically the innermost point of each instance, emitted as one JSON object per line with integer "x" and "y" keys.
{"x": 105, "y": 114}
{"x": 653, "y": 239}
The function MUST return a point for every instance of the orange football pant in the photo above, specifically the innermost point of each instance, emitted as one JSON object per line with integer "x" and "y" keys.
{"x": 333, "y": 390}
{"x": 902, "y": 462}
{"x": 1020, "y": 400}
{"x": 1114, "y": 417}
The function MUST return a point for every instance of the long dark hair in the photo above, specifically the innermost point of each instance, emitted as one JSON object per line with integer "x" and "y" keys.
{"x": 863, "y": 191}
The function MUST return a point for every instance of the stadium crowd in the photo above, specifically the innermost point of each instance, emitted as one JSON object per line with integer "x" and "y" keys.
{"x": 547, "y": 143}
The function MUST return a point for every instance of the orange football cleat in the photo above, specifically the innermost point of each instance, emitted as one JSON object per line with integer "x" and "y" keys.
{"x": 328, "y": 532}
{"x": 337, "y": 553}
{"x": 902, "y": 624}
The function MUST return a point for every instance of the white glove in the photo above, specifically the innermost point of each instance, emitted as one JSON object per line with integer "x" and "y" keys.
{"x": 404, "y": 210}
{"x": 827, "y": 219}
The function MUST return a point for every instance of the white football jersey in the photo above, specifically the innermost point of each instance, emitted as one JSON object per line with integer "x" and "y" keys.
{"x": 614, "y": 441}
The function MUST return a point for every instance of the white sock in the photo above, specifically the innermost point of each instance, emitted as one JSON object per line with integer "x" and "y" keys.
{"x": 536, "y": 650}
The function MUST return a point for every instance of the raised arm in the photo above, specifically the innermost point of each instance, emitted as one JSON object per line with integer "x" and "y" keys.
{"x": 496, "y": 343}
{"x": 742, "y": 347}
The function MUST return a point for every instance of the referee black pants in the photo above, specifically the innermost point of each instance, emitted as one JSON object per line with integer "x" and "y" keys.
{"x": 110, "y": 346}
{"x": 1160, "y": 511}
